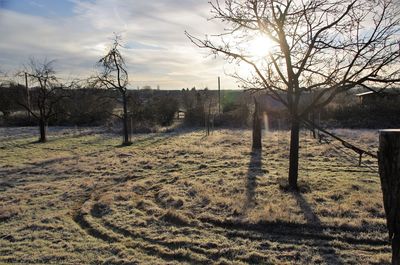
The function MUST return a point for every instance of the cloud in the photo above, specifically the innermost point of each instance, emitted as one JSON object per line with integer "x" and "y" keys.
{"x": 156, "y": 49}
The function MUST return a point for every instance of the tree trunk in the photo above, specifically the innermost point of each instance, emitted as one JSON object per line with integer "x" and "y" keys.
{"x": 389, "y": 171}
{"x": 42, "y": 129}
{"x": 125, "y": 121}
{"x": 396, "y": 249}
{"x": 257, "y": 141}
{"x": 294, "y": 153}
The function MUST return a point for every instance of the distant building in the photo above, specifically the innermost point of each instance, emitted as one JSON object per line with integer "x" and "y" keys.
{"x": 372, "y": 97}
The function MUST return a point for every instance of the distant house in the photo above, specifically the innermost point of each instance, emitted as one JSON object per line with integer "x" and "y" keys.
{"x": 180, "y": 115}
{"x": 372, "y": 97}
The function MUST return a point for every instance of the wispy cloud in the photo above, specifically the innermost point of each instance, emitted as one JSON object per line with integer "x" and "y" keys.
{"x": 156, "y": 49}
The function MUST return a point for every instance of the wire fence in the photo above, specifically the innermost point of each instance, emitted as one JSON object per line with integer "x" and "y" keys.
{"x": 323, "y": 135}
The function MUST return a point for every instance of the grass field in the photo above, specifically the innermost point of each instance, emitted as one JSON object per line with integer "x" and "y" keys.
{"x": 182, "y": 198}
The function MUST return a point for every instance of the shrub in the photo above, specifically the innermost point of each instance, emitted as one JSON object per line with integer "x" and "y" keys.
{"x": 166, "y": 108}
{"x": 383, "y": 114}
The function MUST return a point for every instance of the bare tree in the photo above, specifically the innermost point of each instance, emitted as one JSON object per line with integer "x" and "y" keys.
{"x": 318, "y": 47}
{"x": 115, "y": 76}
{"x": 44, "y": 95}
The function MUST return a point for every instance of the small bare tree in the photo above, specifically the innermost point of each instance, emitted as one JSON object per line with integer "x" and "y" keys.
{"x": 318, "y": 47}
{"x": 45, "y": 93}
{"x": 115, "y": 76}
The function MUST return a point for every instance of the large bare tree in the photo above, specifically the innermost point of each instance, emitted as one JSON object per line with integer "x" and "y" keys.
{"x": 45, "y": 92}
{"x": 114, "y": 75}
{"x": 315, "y": 47}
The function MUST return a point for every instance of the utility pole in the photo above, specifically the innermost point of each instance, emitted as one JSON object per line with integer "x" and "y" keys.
{"x": 219, "y": 95}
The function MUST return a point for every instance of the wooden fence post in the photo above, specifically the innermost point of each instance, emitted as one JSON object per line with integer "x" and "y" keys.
{"x": 389, "y": 171}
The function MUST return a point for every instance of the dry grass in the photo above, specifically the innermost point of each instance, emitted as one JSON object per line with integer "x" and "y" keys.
{"x": 181, "y": 198}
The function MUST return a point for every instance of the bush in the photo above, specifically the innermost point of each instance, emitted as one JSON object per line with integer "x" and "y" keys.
{"x": 166, "y": 108}
{"x": 153, "y": 109}
{"x": 383, "y": 114}
{"x": 193, "y": 102}
{"x": 84, "y": 107}
{"x": 19, "y": 118}
{"x": 238, "y": 116}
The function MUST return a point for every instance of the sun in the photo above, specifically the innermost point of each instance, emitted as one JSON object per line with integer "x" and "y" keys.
{"x": 256, "y": 48}
{"x": 259, "y": 46}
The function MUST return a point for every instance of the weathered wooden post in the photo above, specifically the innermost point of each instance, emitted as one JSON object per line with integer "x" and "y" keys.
{"x": 257, "y": 127}
{"x": 389, "y": 170}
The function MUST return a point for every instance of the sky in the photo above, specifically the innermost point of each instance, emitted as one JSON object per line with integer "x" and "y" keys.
{"x": 77, "y": 33}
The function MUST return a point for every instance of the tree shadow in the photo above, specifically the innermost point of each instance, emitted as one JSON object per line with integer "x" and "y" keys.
{"x": 330, "y": 257}
{"x": 18, "y": 145}
{"x": 149, "y": 139}
{"x": 50, "y": 139}
{"x": 254, "y": 170}
{"x": 32, "y": 167}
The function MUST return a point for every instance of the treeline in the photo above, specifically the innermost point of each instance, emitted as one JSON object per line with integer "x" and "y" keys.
{"x": 147, "y": 108}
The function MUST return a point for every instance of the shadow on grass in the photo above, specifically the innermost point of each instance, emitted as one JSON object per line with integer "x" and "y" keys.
{"x": 330, "y": 257}
{"x": 19, "y": 145}
{"x": 50, "y": 139}
{"x": 147, "y": 140}
{"x": 254, "y": 170}
{"x": 155, "y": 138}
